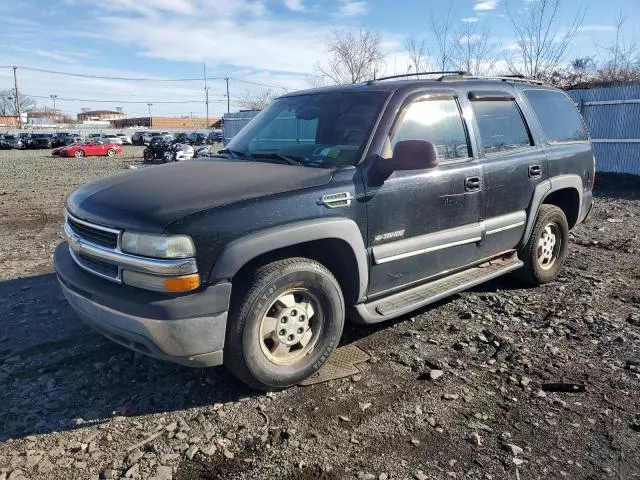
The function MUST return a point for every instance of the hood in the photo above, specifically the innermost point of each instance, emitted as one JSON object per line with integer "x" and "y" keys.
{"x": 149, "y": 199}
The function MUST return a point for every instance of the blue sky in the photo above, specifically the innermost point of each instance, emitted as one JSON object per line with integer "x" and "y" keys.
{"x": 272, "y": 42}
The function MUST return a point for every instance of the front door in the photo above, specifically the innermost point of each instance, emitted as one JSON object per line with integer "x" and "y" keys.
{"x": 426, "y": 222}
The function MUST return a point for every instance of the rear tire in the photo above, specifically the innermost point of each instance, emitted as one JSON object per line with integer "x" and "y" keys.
{"x": 547, "y": 247}
{"x": 111, "y": 152}
{"x": 285, "y": 325}
{"x": 79, "y": 153}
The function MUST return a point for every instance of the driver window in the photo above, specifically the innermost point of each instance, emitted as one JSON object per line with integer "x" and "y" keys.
{"x": 438, "y": 121}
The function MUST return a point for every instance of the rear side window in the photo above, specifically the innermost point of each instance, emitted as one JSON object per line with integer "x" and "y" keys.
{"x": 437, "y": 121}
{"x": 560, "y": 119}
{"x": 501, "y": 126}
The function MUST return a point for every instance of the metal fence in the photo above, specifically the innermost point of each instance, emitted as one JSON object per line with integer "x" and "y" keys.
{"x": 613, "y": 118}
{"x": 234, "y": 122}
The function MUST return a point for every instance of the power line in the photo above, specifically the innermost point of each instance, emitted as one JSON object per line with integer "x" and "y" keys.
{"x": 257, "y": 83}
{"x": 128, "y": 79}
{"x": 128, "y": 101}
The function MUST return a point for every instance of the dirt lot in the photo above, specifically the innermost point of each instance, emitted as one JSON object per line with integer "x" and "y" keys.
{"x": 75, "y": 406}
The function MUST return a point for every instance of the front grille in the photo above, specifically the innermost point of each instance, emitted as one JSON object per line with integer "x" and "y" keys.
{"x": 98, "y": 266}
{"x": 94, "y": 235}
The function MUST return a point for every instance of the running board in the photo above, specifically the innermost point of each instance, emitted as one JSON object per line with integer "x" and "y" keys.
{"x": 408, "y": 300}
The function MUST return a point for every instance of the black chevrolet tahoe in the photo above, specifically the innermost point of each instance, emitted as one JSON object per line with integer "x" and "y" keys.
{"x": 364, "y": 201}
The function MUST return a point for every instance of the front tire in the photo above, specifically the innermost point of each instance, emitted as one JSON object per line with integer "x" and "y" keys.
{"x": 285, "y": 326}
{"x": 111, "y": 152}
{"x": 547, "y": 247}
{"x": 79, "y": 153}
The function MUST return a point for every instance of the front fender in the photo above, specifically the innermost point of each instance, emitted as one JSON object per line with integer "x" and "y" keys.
{"x": 240, "y": 251}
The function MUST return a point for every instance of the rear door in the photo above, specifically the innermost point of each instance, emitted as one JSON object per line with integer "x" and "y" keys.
{"x": 513, "y": 166}
{"x": 423, "y": 223}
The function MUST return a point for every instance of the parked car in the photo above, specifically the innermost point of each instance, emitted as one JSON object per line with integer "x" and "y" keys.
{"x": 136, "y": 138}
{"x": 39, "y": 140}
{"x": 62, "y": 140}
{"x": 110, "y": 138}
{"x": 126, "y": 139}
{"x": 377, "y": 199}
{"x": 148, "y": 136}
{"x": 198, "y": 139}
{"x": 215, "y": 136}
{"x": 9, "y": 141}
{"x": 90, "y": 148}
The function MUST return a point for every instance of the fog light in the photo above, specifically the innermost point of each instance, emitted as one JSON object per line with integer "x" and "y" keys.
{"x": 184, "y": 283}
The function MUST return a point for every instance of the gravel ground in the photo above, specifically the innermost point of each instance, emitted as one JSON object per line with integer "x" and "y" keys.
{"x": 463, "y": 389}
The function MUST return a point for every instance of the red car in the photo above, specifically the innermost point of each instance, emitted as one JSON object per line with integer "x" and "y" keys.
{"x": 88, "y": 149}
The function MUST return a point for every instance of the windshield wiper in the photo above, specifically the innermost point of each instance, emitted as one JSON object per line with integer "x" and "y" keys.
{"x": 277, "y": 156}
{"x": 233, "y": 153}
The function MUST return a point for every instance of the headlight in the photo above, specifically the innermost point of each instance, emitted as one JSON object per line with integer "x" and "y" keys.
{"x": 158, "y": 246}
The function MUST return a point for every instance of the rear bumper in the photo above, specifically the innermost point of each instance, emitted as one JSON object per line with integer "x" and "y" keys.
{"x": 188, "y": 329}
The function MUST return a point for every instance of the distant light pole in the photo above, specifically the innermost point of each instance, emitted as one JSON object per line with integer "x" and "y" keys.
{"x": 53, "y": 97}
{"x": 150, "y": 121}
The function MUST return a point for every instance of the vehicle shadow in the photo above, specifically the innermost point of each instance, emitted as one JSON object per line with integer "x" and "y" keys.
{"x": 57, "y": 374}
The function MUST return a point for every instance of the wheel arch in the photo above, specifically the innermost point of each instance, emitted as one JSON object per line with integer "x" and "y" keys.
{"x": 336, "y": 243}
{"x": 563, "y": 191}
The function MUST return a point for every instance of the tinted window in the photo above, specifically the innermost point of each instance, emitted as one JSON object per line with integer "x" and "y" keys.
{"x": 560, "y": 120}
{"x": 501, "y": 126}
{"x": 437, "y": 121}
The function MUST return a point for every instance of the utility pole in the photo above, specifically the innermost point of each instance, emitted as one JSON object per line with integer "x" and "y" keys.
{"x": 15, "y": 83}
{"x": 206, "y": 91}
{"x": 150, "y": 118}
{"x": 228, "y": 99}
{"x": 53, "y": 97}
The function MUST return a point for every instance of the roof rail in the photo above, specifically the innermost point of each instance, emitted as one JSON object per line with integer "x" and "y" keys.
{"x": 417, "y": 74}
{"x": 504, "y": 78}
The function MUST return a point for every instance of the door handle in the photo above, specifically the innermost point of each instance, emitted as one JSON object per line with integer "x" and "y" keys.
{"x": 535, "y": 171}
{"x": 472, "y": 184}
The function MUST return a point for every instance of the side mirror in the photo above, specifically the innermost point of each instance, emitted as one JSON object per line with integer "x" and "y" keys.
{"x": 413, "y": 155}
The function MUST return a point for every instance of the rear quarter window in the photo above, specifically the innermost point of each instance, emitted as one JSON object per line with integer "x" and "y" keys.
{"x": 558, "y": 116}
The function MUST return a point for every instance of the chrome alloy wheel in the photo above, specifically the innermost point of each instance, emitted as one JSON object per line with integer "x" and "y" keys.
{"x": 548, "y": 246}
{"x": 291, "y": 327}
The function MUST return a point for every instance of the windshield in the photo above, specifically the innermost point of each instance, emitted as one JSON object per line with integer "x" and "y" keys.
{"x": 321, "y": 129}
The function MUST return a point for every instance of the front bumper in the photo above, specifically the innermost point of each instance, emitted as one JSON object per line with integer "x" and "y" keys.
{"x": 186, "y": 329}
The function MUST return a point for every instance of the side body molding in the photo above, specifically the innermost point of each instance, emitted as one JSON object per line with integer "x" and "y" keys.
{"x": 542, "y": 191}
{"x": 238, "y": 252}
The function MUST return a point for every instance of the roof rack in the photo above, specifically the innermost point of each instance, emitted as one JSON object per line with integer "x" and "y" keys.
{"x": 418, "y": 74}
{"x": 504, "y": 78}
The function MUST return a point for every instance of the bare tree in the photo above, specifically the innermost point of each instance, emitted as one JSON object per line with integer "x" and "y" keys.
{"x": 620, "y": 61}
{"x": 579, "y": 73}
{"x": 353, "y": 57}
{"x": 8, "y": 103}
{"x": 317, "y": 81}
{"x": 474, "y": 50}
{"x": 256, "y": 100}
{"x": 446, "y": 40}
{"x": 418, "y": 55}
{"x": 541, "y": 43}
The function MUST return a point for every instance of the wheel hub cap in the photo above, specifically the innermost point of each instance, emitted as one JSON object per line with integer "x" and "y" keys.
{"x": 548, "y": 246}
{"x": 290, "y": 328}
